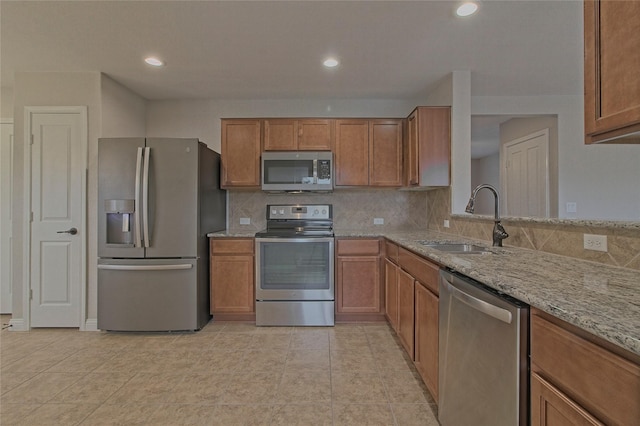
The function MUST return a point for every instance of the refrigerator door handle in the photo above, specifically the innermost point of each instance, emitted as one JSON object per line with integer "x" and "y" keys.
{"x": 137, "y": 204}
{"x": 145, "y": 267}
{"x": 145, "y": 196}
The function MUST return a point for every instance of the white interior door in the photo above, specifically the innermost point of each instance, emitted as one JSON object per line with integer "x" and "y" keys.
{"x": 58, "y": 163}
{"x": 6, "y": 185}
{"x": 525, "y": 180}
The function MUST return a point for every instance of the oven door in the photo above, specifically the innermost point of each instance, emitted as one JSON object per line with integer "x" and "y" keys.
{"x": 294, "y": 268}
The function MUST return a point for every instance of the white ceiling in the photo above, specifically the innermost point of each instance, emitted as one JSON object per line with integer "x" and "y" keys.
{"x": 265, "y": 49}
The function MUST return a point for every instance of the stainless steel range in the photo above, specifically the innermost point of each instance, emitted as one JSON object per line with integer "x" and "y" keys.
{"x": 295, "y": 266}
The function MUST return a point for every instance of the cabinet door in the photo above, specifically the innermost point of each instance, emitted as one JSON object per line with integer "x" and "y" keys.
{"x": 406, "y": 311}
{"x": 280, "y": 135}
{"x": 352, "y": 153}
{"x": 385, "y": 152}
{"x": 232, "y": 284}
{"x": 358, "y": 286}
{"x": 240, "y": 153}
{"x": 429, "y": 146}
{"x": 411, "y": 150}
{"x": 315, "y": 135}
{"x": 391, "y": 293}
{"x": 426, "y": 337}
{"x": 612, "y": 64}
{"x": 550, "y": 407}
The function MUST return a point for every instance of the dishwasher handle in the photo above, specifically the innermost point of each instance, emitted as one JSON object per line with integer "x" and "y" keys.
{"x": 480, "y": 305}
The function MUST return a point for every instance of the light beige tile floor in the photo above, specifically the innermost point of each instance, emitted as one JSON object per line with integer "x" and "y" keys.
{"x": 226, "y": 374}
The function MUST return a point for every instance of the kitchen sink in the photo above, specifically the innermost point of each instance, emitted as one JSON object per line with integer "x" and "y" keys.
{"x": 457, "y": 248}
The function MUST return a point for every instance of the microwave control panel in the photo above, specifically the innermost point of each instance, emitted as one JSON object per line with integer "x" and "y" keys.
{"x": 324, "y": 169}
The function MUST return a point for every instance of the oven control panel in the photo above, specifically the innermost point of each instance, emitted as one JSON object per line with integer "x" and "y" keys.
{"x": 299, "y": 211}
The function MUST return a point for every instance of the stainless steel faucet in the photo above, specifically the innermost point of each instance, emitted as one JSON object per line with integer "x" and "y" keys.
{"x": 499, "y": 233}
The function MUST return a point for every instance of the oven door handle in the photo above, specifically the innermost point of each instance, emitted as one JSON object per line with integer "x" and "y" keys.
{"x": 295, "y": 240}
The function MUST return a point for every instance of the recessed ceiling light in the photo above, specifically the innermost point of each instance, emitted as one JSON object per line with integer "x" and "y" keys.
{"x": 466, "y": 9}
{"x": 330, "y": 62}
{"x": 154, "y": 61}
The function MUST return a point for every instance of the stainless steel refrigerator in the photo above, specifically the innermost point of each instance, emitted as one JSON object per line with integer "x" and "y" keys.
{"x": 157, "y": 200}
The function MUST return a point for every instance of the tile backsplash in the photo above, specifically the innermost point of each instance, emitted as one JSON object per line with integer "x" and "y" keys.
{"x": 352, "y": 208}
{"x": 356, "y": 209}
{"x": 558, "y": 238}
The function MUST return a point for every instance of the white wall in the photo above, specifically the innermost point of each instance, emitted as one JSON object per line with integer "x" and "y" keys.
{"x": 460, "y": 101}
{"x": 201, "y": 118}
{"x": 6, "y": 102}
{"x": 123, "y": 112}
{"x": 485, "y": 170}
{"x": 601, "y": 179}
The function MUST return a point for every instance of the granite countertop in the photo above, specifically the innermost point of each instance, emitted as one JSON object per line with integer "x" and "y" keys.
{"x": 603, "y": 300}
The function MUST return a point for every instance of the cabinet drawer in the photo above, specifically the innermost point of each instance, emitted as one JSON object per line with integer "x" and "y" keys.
{"x": 232, "y": 246}
{"x": 391, "y": 250}
{"x": 605, "y": 384}
{"x": 358, "y": 247}
{"x": 422, "y": 270}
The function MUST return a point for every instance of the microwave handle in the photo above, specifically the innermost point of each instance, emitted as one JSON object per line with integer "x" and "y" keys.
{"x": 315, "y": 170}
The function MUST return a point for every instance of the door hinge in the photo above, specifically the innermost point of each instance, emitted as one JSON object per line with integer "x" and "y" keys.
{"x": 30, "y": 294}
{"x": 32, "y": 139}
{"x": 31, "y": 217}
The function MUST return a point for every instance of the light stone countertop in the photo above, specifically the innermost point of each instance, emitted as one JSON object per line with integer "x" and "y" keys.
{"x": 603, "y": 300}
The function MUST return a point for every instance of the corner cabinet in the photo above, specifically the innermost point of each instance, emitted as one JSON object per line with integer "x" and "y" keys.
{"x": 369, "y": 152}
{"x": 612, "y": 71}
{"x": 283, "y": 134}
{"x": 579, "y": 379}
{"x": 232, "y": 281}
{"x": 428, "y": 147}
{"x": 359, "y": 294}
{"x": 241, "y": 150}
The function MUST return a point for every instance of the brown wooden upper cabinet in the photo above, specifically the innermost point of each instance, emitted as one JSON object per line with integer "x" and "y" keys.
{"x": 284, "y": 134}
{"x": 612, "y": 71}
{"x": 240, "y": 155}
{"x": 368, "y": 152}
{"x": 428, "y": 147}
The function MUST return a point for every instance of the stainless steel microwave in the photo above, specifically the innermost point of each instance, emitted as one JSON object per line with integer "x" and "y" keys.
{"x": 297, "y": 171}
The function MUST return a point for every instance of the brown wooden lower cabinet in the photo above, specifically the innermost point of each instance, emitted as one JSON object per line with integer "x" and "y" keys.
{"x": 576, "y": 375}
{"x": 550, "y": 407}
{"x": 359, "y": 294}
{"x": 426, "y": 337}
{"x": 391, "y": 293}
{"x": 232, "y": 279}
{"x": 406, "y": 311}
{"x": 411, "y": 291}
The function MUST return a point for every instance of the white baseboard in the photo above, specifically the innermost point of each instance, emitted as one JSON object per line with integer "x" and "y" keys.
{"x": 17, "y": 324}
{"x": 91, "y": 324}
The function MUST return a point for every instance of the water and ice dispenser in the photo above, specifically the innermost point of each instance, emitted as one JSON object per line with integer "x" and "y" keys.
{"x": 120, "y": 221}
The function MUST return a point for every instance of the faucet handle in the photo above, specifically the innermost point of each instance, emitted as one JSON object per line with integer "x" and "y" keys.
{"x": 499, "y": 234}
{"x": 501, "y": 231}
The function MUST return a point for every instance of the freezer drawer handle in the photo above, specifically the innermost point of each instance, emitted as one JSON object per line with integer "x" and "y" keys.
{"x": 480, "y": 305}
{"x": 145, "y": 267}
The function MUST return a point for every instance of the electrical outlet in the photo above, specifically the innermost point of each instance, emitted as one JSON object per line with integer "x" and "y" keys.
{"x": 572, "y": 208}
{"x": 595, "y": 242}
{"x": 446, "y": 223}
{"x": 245, "y": 221}
{"x": 378, "y": 221}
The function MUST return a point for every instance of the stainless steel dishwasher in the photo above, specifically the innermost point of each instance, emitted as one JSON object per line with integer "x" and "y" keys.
{"x": 483, "y": 355}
